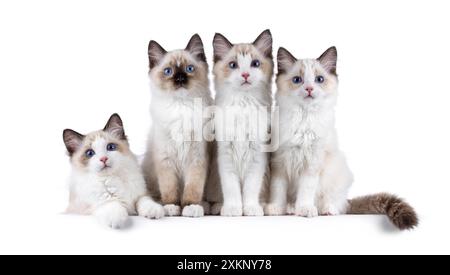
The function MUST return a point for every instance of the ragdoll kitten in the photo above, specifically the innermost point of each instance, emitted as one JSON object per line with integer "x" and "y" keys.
{"x": 243, "y": 78}
{"x": 310, "y": 176}
{"x": 177, "y": 160}
{"x": 106, "y": 179}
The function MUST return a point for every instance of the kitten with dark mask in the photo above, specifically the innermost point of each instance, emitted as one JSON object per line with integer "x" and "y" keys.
{"x": 106, "y": 179}
{"x": 177, "y": 159}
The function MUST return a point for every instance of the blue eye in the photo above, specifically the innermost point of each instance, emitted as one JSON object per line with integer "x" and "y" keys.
{"x": 190, "y": 69}
{"x": 111, "y": 147}
{"x": 90, "y": 153}
{"x": 256, "y": 63}
{"x": 168, "y": 71}
{"x": 233, "y": 65}
{"x": 320, "y": 79}
{"x": 297, "y": 80}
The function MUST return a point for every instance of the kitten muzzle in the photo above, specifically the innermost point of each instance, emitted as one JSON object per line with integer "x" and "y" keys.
{"x": 180, "y": 79}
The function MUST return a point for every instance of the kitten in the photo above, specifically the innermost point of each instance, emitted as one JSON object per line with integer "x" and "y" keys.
{"x": 106, "y": 179}
{"x": 243, "y": 79}
{"x": 177, "y": 160}
{"x": 310, "y": 175}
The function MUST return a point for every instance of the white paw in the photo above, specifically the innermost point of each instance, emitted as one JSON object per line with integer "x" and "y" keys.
{"x": 114, "y": 216}
{"x": 231, "y": 211}
{"x": 274, "y": 210}
{"x": 290, "y": 209}
{"x": 329, "y": 210}
{"x": 193, "y": 211}
{"x": 172, "y": 210}
{"x": 307, "y": 211}
{"x": 216, "y": 208}
{"x": 151, "y": 210}
{"x": 253, "y": 210}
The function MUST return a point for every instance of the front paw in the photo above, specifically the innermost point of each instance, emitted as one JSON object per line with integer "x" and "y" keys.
{"x": 274, "y": 210}
{"x": 231, "y": 211}
{"x": 307, "y": 211}
{"x": 193, "y": 211}
{"x": 172, "y": 210}
{"x": 151, "y": 210}
{"x": 115, "y": 217}
{"x": 253, "y": 210}
{"x": 329, "y": 210}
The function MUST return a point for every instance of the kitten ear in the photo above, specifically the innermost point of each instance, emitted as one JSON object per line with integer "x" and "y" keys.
{"x": 285, "y": 60}
{"x": 155, "y": 53}
{"x": 115, "y": 127}
{"x": 329, "y": 60}
{"x": 264, "y": 43}
{"x": 221, "y": 46}
{"x": 195, "y": 47}
{"x": 72, "y": 140}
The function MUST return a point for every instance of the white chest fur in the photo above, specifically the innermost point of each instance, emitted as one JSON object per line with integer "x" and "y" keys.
{"x": 242, "y": 117}
{"x": 304, "y": 137}
{"x": 94, "y": 190}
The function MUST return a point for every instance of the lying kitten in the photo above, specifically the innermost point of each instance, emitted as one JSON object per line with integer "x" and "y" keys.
{"x": 243, "y": 77}
{"x": 310, "y": 175}
{"x": 106, "y": 179}
{"x": 177, "y": 160}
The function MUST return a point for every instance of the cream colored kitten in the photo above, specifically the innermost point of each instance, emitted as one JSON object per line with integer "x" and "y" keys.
{"x": 106, "y": 179}
{"x": 177, "y": 160}
{"x": 310, "y": 176}
{"x": 243, "y": 77}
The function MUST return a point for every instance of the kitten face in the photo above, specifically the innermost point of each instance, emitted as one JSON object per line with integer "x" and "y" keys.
{"x": 100, "y": 152}
{"x": 243, "y": 66}
{"x": 181, "y": 69}
{"x": 310, "y": 81}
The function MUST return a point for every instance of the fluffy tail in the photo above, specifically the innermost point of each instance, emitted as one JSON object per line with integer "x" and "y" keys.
{"x": 400, "y": 213}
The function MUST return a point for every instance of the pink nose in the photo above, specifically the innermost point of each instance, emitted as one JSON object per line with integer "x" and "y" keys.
{"x": 104, "y": 159}
{"x": 309, "y": 90}
{"x": 245, "y": 75}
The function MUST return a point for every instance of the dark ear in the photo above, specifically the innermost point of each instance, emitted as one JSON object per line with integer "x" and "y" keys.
{"x": 264, "y": 43}
{"x": 329, "y": 60}
{"x": 285, "y": 60}
{"x": 115, "y": 127}
{"x": 72, "y": 140}
{"x": 155, "y": 53}
{"x": 195, "y": 47}
{"x": 221, "y": 47}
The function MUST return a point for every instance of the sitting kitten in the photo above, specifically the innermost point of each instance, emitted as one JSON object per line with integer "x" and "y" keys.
{"x": 176, "y": 163}
{"x": 310, "y": 175}
{"x": 243, "y": 79}
{"x": 106, "y": 179}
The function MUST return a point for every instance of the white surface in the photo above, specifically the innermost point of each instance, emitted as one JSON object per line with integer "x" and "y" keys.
{"x": 71, "y": 64}
{"x": 216, "y": 235}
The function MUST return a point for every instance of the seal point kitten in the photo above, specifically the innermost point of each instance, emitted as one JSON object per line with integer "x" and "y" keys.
{"x": 106, "y": 180}
{"x": 243, "y": 78}
{"x": 310, "y": 175}
{"x": 177, "y": 159}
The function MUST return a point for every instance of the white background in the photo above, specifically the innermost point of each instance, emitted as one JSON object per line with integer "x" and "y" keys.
{"x": 71, "y": 64}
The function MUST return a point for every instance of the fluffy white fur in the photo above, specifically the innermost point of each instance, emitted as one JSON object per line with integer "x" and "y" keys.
{"x": 166, "y": 142}
{"x": 113, "y": 193}
{"x": 242, "y": 164}
{"x": 310, "y": 175}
